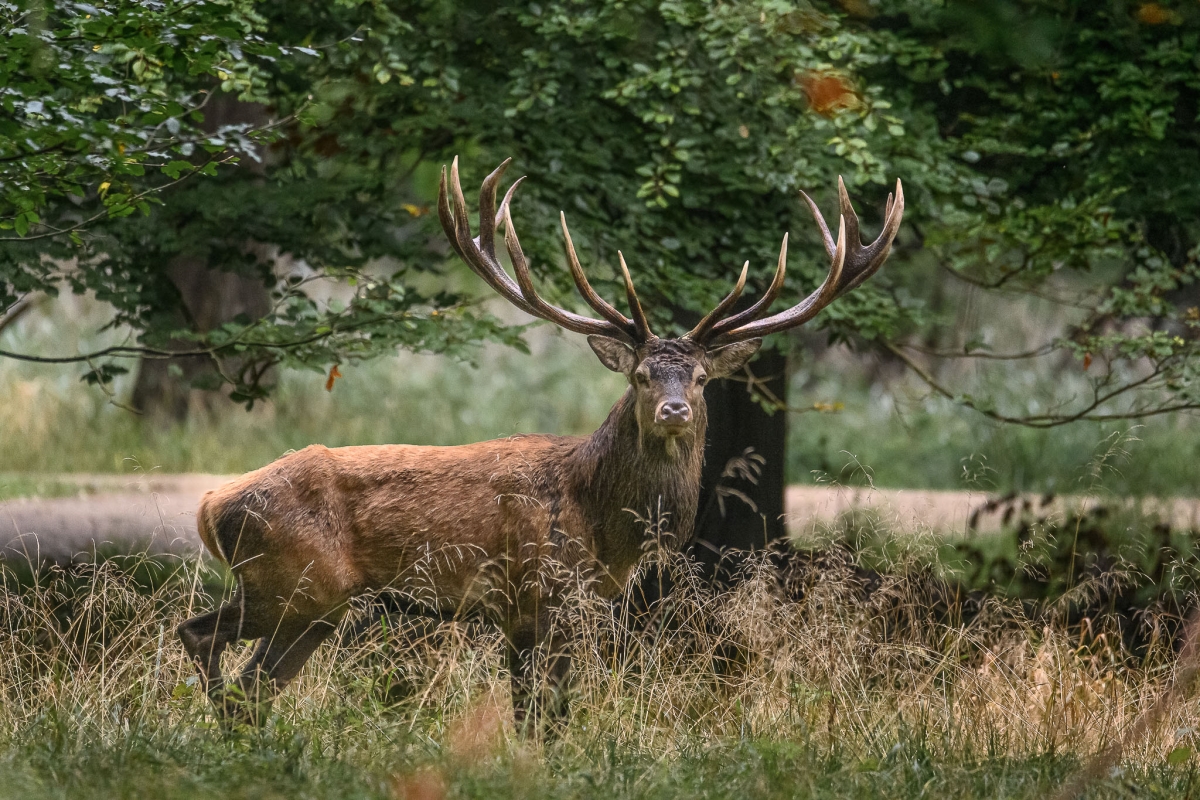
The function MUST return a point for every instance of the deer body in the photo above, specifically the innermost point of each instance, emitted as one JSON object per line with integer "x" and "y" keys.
{"x": 457, "y": 528}
{"x": 502, "y": 528}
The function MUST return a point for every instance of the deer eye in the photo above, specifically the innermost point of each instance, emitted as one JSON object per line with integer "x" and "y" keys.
{"x": 701, "y": 380}
{"x": 641, "y": 378}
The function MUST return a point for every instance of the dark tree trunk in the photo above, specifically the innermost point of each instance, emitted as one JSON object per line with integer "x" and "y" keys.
{"x": 745, "y": 456}
{"x": 742, "y": 485}
{"x": 167, "y": 389}
{"x": 211, "y": 298}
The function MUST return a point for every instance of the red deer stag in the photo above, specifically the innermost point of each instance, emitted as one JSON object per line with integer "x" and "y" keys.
{"x": 498, "y": 527}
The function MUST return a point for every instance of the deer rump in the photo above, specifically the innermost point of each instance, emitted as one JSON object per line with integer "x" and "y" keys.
{"x": 454, "y": 530}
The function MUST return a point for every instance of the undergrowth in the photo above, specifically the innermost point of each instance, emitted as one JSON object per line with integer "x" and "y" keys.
{"x": 813, "y": 675}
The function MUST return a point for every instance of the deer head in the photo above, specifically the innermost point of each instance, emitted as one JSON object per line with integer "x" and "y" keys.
{"x": 666, "y": 376}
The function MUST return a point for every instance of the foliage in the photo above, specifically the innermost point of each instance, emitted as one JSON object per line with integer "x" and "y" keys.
{"x": 1047, "y": 147}
{"x": 119, "y": 117}
{"x": 1106, "y": 569}
{"x": 104, "y": 104}
{"x": 678, "y": 132}
{"x": 676, "y": 139}
{"x": 1078, "y": 121}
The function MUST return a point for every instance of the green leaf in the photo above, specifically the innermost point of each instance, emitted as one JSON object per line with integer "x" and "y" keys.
{"x": 174, "y": 169}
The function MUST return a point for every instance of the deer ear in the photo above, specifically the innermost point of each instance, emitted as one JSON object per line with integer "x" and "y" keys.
{"x": 614, "y": 354}
{"x": 732, "y": 357}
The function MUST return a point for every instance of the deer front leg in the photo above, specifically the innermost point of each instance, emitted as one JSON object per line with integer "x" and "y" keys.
{"x": 277, "y": 660}
{"x": 539, "y": 664}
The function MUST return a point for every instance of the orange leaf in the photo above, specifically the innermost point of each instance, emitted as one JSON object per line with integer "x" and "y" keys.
{"x": 1153, "y": 14}
{"x": 334, "y": 374}
{"x": 827, "y": 93}
{"x": 1087, "y": 361}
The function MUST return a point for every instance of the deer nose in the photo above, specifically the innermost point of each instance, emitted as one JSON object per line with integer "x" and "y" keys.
{"x": 674, "y": 412}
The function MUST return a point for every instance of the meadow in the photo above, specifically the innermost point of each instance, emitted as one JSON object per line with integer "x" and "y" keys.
{"x": 824, "y": 678}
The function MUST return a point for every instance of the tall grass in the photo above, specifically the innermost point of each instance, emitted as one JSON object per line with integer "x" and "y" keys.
{"x": 817, "y": 684}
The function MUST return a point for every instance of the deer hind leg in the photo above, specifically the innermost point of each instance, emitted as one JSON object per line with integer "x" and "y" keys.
{"x": 205, "y": 638}
{"x": 277, "y": 660}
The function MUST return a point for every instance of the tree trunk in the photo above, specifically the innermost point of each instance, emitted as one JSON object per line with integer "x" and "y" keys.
{"x": 742, "y": 485}
{"x": 165, "y": 388}
{"x": 745, "y": 457}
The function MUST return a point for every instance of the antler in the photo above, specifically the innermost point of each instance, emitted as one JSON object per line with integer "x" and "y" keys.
{"x": 851, "y": 263}
{"x": 479, "y": 253}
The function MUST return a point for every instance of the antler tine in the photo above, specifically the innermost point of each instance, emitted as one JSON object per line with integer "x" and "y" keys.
{"x": 541, "y": 308}
{"x": 489, "y": 223}
{"x": 865, "y": 261}
{"x": 808, "y": 308}
{"x": 826, "y": 237}
{"x": 589, "y": 294}
{"x": 635, "y": 307}
{"x": 446, "y": 216}
{"x": 760, "y": 307}
{"x": 462, "y": 222}
{"x": 847, "y": 209}
{"x": 458, "y": 230}
{"x": 704, "y": 327}
{"x": 508, "y": 200}
{"x": 853, "y": 263}
{"x": 521, "y": 267}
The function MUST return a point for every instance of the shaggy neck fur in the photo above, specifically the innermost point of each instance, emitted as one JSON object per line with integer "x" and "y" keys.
{"x": 628, "y": 480}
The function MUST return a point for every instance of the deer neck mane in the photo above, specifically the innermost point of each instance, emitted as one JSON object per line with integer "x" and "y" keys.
{"x": 631, "y": 484}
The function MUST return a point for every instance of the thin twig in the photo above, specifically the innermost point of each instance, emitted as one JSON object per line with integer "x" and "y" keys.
{"x": 109, "y": 211}
{"x": 1037, "y": 352}
{"x": 1047, "y": 420}
{"x": 16, "y": 311}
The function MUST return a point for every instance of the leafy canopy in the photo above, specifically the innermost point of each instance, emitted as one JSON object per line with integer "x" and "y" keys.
{"x": 1036, "y": 139}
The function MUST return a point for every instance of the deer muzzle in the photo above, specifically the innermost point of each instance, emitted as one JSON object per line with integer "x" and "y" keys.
{"x": 673, "y": 415}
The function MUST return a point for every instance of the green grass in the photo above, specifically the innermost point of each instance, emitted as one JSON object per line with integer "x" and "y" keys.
{"x": 280, "y": 762}
{"x": 937, "y": 445}
{"x": 23, "y": 484}
{"x": 894, "y": 434}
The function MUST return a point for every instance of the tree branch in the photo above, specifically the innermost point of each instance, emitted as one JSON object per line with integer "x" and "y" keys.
{"x": 1044, "y": 350}
{"x": 108, "y": 212}
{"x": 1047, "y": 420}
{"x": 16, "y": 311}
